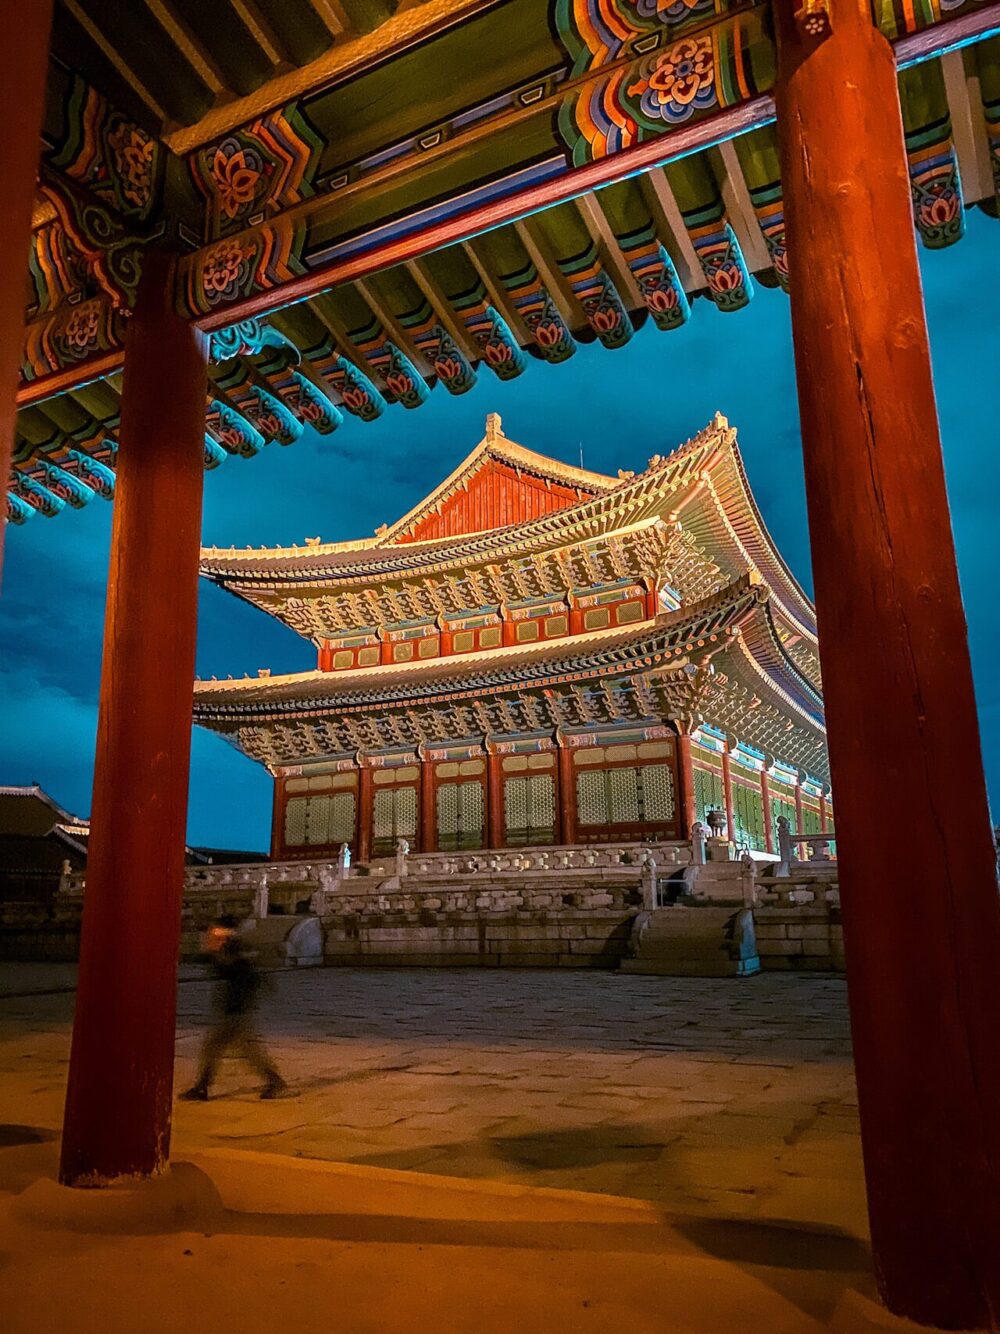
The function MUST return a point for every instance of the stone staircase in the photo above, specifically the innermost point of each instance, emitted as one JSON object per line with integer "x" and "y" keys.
{"x": 698, "y": 941}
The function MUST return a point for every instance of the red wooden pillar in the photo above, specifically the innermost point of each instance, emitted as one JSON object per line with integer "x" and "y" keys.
{"x": 727, "y": 794}
{"x": 428, "y": 810}
{"x": 118, "y": 1101}
{"x": 22, "y": 98}
{"x": 567, "y": 796}
{"x": 277, "y": 819}
{"x": 798, "y": 804}
{"x": 494, "y": 801}
{"x": 765, "y": 801}
{"x": 366, "y": 790}
{"x": 922, "y": 930}
{"x": 685, "y": 770}
{"x": 823, "y": 812}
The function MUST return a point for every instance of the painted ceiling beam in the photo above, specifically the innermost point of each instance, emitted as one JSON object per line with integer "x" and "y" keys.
{"x": 740, "y": 210}
{"x": 188, "y": 42}
{"x": 553, "y": 279}
{"x": 589, "y": 208}
{"x": 568, "y": 184}
{"x": 394, "y": 329}
{"x": 443, "y": 307}
{"x": 688, "y": 264}
{"x": 498, "y": 295}
{"x": 968, "y": 125}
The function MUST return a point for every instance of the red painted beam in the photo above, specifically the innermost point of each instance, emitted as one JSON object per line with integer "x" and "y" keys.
{"x": 22, "y": 99}
{"x": 921, "y": 923}
{"x": 118, "y": 1101}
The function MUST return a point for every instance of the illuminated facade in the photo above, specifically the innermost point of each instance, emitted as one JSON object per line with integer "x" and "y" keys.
{"x": 537, "y": 654}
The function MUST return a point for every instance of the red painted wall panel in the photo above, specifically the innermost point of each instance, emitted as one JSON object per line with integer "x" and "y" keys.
{"x": 494, "y": 498}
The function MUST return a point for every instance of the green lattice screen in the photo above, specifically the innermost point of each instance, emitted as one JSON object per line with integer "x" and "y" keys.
{"x": 748, "y": 815}
{"x": 320, "y": 821}
{"x": 394, "y": 816}
{"x": 644, "y": 795}
{"x": 529, "y": 807}
{"x": 708, "y": 792}
{"x": 810, "y": 819}
{"x": 459, "y": 816}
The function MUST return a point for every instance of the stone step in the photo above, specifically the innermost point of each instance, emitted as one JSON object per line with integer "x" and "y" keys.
{"x": 690, "y": 942}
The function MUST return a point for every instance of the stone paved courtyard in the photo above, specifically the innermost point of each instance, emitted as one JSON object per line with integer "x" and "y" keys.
{"x": 714, "y": 1098}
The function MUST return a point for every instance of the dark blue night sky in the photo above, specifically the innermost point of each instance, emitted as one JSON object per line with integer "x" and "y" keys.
{"x": 619, "y": 407}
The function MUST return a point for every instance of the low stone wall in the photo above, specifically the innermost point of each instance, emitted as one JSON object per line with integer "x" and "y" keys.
{"x": 519, "y": 911}
{"x": 483, "y": 925}
{"x": 801, "y": 937}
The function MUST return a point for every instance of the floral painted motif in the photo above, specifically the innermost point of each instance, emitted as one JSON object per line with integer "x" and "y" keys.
{"x": 104, "y": 151}
{"x": 936, "y": 189}
{"x": 134, "y": 154}
{"x": 264, "y": 166}
{"x": 729, "y": 283}
{"x": 360, "y": 397}
{"x": 225, "y": 270}
{"x": 98, "y": 476}
{"x": 670, "y": 11}
{"x": 18, "y": 510}
{"x": 272, "y": 418}
{"x": 609, "y": 108}
{"x": 237, "y": 172}
{"x": 232, "y": 430}
{"x": 602, "y": 306}
{"x": 402, "y": 382}
{"x": 312, "y": 406}
{"x": 80, "y": 329}
{"x": 660, "y": 286}
{"x": 450, "y": 366}
{"x": 496, "y": 342}
{"x": 674, "y": 83}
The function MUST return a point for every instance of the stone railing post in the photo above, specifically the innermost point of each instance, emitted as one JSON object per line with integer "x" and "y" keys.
{"x": 261, "y": 898}
{"x": 786, "y": 848}
{"x": 748, "y": 880}
{"x": 402, "y": 853}
{"x": 699, "y": 833}
{"x": 649, "y": 876}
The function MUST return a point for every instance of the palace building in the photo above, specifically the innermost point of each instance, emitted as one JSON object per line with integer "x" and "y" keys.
{"x": 537, "y": 654}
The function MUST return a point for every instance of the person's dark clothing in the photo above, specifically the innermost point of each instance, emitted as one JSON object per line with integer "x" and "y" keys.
{"x": 238, "y": 981}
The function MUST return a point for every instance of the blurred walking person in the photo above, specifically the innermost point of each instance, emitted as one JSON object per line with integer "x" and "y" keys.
{"x": 238, "y": 981}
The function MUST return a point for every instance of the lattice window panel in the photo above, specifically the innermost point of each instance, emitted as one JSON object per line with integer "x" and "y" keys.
{"x": 659, "y": 801}
{"x": 295, "y": 822}
{"x": 470, "y": 815}
{"x": 708, "y": 792}
{"x": 343, "y": 813}
{"x": 748, "y": 814}
{"x": 810, "y": 820}
{"x": 624, "y": 796}
{"x": 394, "y": 816}
{"x": 515, "y": 810}
{"x": 406, "y": 813}
{"x": 591, "y": 797}
{"x": 786, "y": 808}
{"x": 447, "y": 816}
{"x": 382, "y": 815}
{"x": 530, "y": 810}
{"x": 318, "y": 820}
